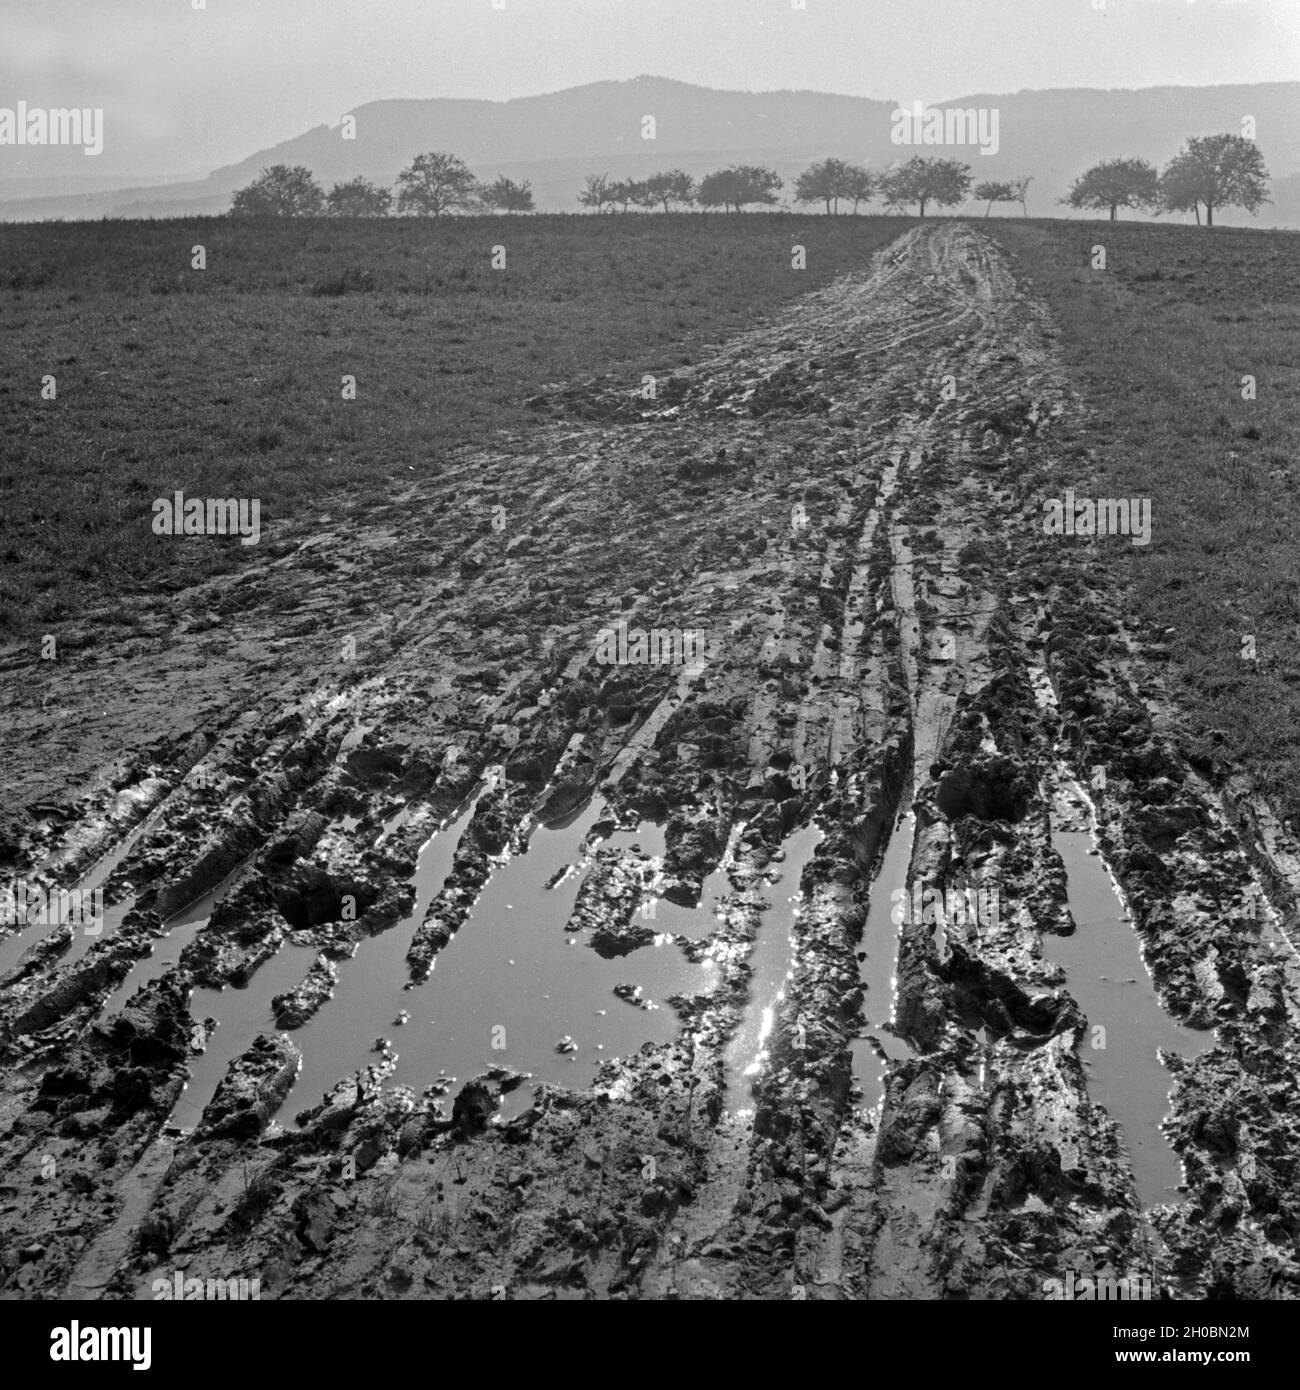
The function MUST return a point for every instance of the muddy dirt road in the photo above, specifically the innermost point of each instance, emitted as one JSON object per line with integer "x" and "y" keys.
{"x": 505, "y": 960}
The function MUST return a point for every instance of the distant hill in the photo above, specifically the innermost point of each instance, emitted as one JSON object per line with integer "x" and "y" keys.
{"x": 555, "y": 139}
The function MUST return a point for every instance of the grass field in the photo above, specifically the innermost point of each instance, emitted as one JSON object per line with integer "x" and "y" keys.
{"x": 1159, "y": 343}
{"x": 227, "y": 382}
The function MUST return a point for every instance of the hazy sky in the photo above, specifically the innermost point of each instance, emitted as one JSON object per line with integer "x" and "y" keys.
{"x": 186, "y": 89}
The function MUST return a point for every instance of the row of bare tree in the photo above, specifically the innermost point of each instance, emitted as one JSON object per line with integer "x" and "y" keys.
{"x": 432, "y": 184}
{"x": 1214, "y": 170}
{"x": 830, "y": 182}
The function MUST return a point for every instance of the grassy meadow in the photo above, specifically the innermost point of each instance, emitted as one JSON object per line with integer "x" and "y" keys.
{"x": 228, "y": 381}
{"x": 1159, "y": 344}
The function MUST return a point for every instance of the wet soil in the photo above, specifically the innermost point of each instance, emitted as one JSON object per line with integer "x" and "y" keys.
{"x": 442, "y": 803}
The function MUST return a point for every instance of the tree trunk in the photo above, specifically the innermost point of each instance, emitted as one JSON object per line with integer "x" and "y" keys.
{"x": 1209, "y": 214}
{"x": 1196, "y": 208}
{"x": 1114, "y": 212}
{"x": 923, "y": 201}
{"x": 988, "y": 209}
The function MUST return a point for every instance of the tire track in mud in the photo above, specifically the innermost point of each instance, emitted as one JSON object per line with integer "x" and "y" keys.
{"x": 845, "y": 503}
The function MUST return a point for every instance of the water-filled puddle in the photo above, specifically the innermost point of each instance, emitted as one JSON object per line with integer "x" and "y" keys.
{"x": 512, "y": 987}
{"x": 88, "y": 925}
{"x": 181, "y": 930}
{"x": 771, "y": 962}
{"x": 694, "y": 923}
{"x": 878, "y": 968}
{"x": 338, "y": 1040}
{"x": 13, "y": 946}
{"x": 241, "y": 1014}
{"x": 1107, "y": 976}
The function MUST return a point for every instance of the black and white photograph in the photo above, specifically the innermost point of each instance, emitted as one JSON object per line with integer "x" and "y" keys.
{"x": 649, "y": 652}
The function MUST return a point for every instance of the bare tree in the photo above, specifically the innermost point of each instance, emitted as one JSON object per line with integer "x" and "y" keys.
{"x": 508, "y": 196}
{"x": 595, "y": 192}
{"x": 280, "y": 191}
{"x": 1217, "y": 170}
{"x": 924, "y": 181}
{"x": 673, "y": 186}
{"x": 358, "y": 198}
{"x": 627, "y": 192}
{"x": 1115, "y": 184}
{"x": 434, "y": 184}
{"x": 826, "y": 182}
{"x": 860, "y": 186}
{"x": 994, "y": 193}
{"x": 739, "y": 186}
